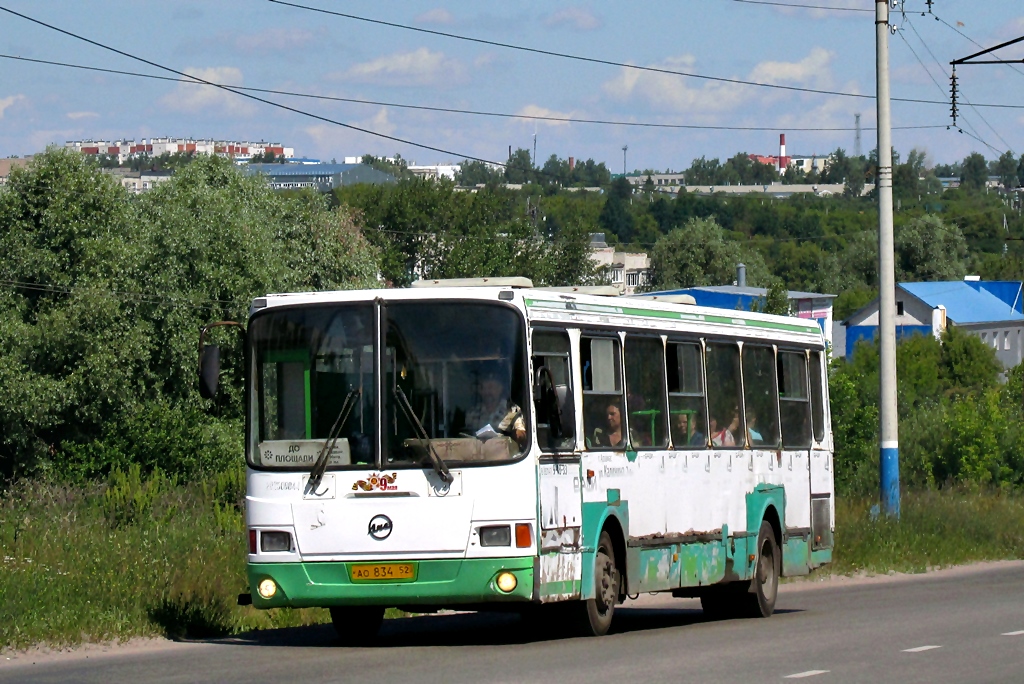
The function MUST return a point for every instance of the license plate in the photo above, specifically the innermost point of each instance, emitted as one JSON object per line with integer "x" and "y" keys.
{"x": 383, "y": 572}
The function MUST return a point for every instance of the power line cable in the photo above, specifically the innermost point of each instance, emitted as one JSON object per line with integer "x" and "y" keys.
{"x": 607, "y": 62}
{"x": 229, "y": 89}
{"x": 202, "y": 304}
{"x": 946, "y": 75}
{"x": 450, "y": 110}
{"x": 969, "y": 39}
{"x": 967, "y": 123}
{"x": 801, "y": 6}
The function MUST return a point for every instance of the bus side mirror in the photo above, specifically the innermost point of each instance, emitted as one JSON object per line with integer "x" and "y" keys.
{"x": 209, "y": 359}
{"x": 209, "y": 371}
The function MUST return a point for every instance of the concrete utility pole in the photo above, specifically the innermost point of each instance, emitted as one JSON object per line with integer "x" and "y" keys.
{"x": 889, "y": 460}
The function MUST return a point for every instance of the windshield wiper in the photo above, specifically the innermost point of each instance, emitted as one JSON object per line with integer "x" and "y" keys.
{"x": 320, "y": 466}
{"x": 435, "y": 459}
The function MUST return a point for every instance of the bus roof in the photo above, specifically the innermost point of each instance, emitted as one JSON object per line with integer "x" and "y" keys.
{"x": 585, "y": 310}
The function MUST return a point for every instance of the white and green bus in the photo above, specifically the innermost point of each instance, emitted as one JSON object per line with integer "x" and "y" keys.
{"x": 496, "y": 446}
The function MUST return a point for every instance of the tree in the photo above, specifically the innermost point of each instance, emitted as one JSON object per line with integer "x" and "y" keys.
{"x": 615, "y": 217}
{"x": 519, "y": 168}
{"x": 698, "y": 254}
{"x": 266, "y": 157}
{"x": 1006, "y": 169}
{"x": 478, "y": 173}
{"x": 97, "y": 347}
{"x": 974, "y": 173}
{"x": 928, "y": 248}
{"x": 906, "y": 177}
{"x": 776, "y": 299}
{"x": 396, "y": 166}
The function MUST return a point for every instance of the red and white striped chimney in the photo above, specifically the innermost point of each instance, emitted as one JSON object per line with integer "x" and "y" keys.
{"x": 782, "y": 153}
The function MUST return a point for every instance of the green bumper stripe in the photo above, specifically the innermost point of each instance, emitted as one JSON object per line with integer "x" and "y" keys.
{"x": 322, "y": 584}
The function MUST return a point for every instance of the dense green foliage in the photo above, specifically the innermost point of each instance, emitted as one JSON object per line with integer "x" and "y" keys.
{"x": 103, "y": 294}
{"x": 428, "y": 229}
{"x": 958, "y": 424}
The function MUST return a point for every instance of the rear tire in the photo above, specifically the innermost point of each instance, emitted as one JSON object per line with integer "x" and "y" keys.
{"x": 759, "y": 601}
{"x": 357, "y": 625}
{"x": 593, "y": 617}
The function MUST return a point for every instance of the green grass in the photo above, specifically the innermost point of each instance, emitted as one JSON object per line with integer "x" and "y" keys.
{"x": 936, "y": 529}
{"x": 98, "y": 562}
{"x": 76, "y": 568}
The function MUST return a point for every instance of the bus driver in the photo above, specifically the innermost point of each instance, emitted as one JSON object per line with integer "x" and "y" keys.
{"x": 496, "y": 410}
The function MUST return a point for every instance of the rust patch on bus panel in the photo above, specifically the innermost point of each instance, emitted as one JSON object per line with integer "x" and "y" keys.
{"x": 561, "y": 539}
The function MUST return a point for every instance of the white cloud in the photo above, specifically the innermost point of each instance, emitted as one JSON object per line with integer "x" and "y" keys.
{"x": 341, "y": 141}
{"x": 673, "y": 93}
{"x": 813, "y": 70}
{"x": 576, "y": 18}
{"x": 438, "y": 15}
{"x": 537, "y": 110}
{"x": 420, "y": 67}
{"x": 680, "y": 94}
{"x": 195, "y": 97}
{"x": 75, "y": 116}
{"x": 6, "y": 102}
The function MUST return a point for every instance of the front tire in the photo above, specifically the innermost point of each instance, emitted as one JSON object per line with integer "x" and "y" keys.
{"x": 357, "y": 625}
{"x": 596, "y": 614}
{"x": 759, "y": 601}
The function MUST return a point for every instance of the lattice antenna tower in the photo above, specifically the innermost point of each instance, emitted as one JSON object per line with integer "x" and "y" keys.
{"x": 856, "y": 140}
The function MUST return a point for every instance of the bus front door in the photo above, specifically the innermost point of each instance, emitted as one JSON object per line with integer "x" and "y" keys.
{"x": 561, "y": 515}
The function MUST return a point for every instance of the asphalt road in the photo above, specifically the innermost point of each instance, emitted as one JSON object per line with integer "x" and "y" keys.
{"x": 964, "y": 625}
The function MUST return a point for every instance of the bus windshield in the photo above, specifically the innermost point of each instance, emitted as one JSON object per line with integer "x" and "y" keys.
{"x": 307, "y": 363}
{"x": 453, "y": 385}
{"x": 455, "y": 382}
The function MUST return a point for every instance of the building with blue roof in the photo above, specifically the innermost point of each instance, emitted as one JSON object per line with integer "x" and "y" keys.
{"x": 322, "y": 177}
{"x": 992, "y": 310}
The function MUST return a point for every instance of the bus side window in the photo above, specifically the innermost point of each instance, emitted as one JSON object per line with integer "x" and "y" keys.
{"x": 645, "y": 392}
{"x": 794, "y": 403}
{"x": 724, "y": 398}
{"x": 603, "y": 422}
{"x": 762, "y": 410}
{"x": 553, "y": 400}
{"x": 817, "y": 399}
{"x": 686, "y": 396}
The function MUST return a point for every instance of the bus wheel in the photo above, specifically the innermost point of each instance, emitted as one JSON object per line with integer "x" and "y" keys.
{"x": 596, "y": 613}
{"x": 357, "y": 625}
{"x": 764, "y": 587}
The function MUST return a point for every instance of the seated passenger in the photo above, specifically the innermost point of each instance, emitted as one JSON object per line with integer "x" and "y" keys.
{"x": 687, "y": 432}
{"x": 725, "y": 437}
{"x": 752, "y": 434}
{"x": 612, "y": 435}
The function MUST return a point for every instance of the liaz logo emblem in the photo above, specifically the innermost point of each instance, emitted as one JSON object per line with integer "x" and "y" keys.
{"x": 379, "y": 527}
{"x": 374, "y": 482}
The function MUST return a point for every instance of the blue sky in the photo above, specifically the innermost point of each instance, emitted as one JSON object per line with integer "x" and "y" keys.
{"x": 260, "y": 44}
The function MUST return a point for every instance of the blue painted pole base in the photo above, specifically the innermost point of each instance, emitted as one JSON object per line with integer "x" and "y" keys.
{"x": 889, "y": 470}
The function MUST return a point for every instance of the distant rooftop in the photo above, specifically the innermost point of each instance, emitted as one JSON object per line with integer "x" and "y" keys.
{"x": 964, "y": 304}
{"x": 746, "y": 291}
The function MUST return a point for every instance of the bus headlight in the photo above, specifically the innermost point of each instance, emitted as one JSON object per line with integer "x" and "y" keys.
{"x": 496, "y": 535}
{"x": 267, "y": 588}
{"x": 506, "y": 581}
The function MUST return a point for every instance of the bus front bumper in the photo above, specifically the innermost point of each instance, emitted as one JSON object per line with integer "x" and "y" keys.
{"x": 437, "y": 582}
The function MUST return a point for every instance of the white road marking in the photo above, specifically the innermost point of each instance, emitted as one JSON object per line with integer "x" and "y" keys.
{"x": 809, "y": 673}
{"x": 919, "y": 649}
{"x": 1019, "y": 632}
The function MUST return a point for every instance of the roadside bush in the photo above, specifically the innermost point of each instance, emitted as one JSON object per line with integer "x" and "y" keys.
{"x": 108, "y": 291}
